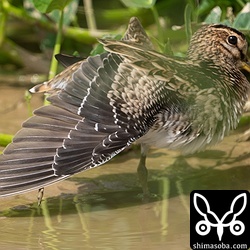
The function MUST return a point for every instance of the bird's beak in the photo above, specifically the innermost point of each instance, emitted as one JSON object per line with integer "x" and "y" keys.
{"x": 246, "y": 66}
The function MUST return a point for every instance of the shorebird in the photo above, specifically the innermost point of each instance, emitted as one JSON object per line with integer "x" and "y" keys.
{"x": 100, "y": 105}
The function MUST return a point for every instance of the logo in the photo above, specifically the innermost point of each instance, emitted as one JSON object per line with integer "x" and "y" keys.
{"x": 219, "y": 219}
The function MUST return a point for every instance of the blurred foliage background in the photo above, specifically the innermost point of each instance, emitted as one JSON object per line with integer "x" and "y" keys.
{"x": 29, "y": 29}
{"x": 33, "y": 31}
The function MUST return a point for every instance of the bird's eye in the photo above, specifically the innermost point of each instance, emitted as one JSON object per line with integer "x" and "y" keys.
{"x": 232, "y": 40}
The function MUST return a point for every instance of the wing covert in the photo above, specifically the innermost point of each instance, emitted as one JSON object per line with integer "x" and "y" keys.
{"x": 96, "y": 111}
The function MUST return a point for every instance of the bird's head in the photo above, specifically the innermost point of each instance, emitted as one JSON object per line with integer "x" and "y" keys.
{"x": 221, "y": 45}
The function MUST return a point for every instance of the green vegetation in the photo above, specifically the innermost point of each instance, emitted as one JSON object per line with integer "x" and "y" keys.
{"x": 45, "y": 28}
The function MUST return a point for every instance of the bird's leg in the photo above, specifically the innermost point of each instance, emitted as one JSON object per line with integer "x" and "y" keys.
{"x": 142, "y": 171}
{"x": 40, "y": 196}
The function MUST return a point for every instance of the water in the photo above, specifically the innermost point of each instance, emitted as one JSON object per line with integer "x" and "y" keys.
{"x": 101, "y": 209}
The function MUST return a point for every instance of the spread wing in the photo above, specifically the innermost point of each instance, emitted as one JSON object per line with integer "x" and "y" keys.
{"x": 98, "y": 108}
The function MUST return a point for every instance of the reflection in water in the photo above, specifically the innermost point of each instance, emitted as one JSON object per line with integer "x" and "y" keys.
{"x": 50, "y": 234}
{"x": 112, "y": 219}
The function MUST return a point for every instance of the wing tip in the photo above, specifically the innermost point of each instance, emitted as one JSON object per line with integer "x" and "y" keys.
{"x": 39, "y": 88}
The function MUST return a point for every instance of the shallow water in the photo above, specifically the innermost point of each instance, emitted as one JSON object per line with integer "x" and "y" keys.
{"x": 101, "y": 209}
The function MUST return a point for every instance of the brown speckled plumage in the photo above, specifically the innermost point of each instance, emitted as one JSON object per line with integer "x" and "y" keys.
{"x": 100, "y": 105}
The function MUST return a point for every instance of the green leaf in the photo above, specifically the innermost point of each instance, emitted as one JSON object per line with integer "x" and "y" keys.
{"x": 139, "y": 3}
{"x": 5, "y": 139}
{"x": 205, "y": 6}
{"x": 214, "y": 16}
{"x": 58, "y": 5}
{"x": 41, "y": 5}
{"x": 46, "y": 6}
{"x": 242, "y": 20}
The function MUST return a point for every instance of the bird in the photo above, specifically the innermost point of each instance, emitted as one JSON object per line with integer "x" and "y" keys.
{"x": 130, "y": 93}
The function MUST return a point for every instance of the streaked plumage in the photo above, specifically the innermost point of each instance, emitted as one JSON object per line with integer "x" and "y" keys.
{"x": 99, "y": 106}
